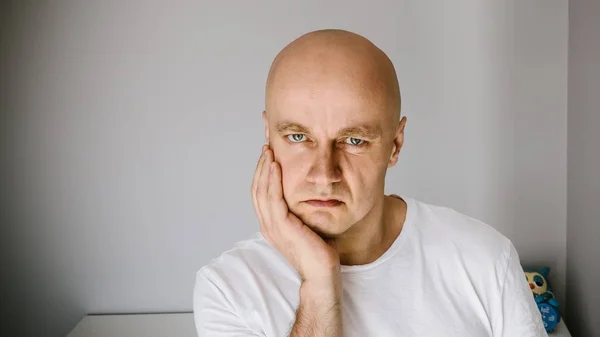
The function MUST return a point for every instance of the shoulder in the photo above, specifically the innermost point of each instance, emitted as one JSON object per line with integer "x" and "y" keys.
{"x": 245, "y": 281}
{"x": 241, "y": 273}
{"x": 455, "y": 232}
{"x": 246, "y": 258}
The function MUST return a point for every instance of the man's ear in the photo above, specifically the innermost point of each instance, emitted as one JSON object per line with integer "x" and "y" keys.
{"x": 398, "y": 142}
{"x": 264, "y": 117}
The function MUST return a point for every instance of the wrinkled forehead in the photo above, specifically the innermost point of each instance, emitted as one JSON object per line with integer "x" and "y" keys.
{"x": 328, "y": 103}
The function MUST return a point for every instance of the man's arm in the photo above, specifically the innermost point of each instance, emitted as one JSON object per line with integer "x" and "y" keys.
{"x": 213, "y": 314}
{"x": 319, "y": 312}
{"x": 518, "y": 314}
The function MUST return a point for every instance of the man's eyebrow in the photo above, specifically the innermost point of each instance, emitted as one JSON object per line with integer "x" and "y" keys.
{"x": 291, "y": 127}
{"x": 359, "y": 131}
{"x": 362, "y": 131}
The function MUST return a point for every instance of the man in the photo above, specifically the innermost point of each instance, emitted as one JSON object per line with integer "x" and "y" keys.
{"x": 335, "y": 256}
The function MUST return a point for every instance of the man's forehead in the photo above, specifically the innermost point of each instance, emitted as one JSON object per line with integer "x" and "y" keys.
{"x": 328, "y": 102}
{"x": 327, "y": 96}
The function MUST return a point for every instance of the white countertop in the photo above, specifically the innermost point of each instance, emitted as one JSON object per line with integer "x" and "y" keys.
{"x": 161, "y": 325}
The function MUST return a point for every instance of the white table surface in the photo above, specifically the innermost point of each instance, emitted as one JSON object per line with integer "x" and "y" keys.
{"x": 139, "y": 325}
{"x": 163, "y": 325}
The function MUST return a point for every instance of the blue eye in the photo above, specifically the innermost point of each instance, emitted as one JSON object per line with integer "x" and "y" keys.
{"x": 354, "y": 141}
{"x": 296, "y": 137}
{"x": 538, "y": 280}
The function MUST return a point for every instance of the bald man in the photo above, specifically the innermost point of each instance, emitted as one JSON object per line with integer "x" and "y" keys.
{"x": 335, "y": 256}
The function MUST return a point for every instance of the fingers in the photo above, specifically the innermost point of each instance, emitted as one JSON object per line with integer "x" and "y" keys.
{"x": 262, "y": 188}
{"x": 277, "y": 205}
{"x": 267, "y": 194}
{"x": 257, "y": 171}
{"x": 253, "y": 189}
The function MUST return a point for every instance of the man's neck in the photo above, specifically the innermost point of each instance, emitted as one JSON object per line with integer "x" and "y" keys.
{"x": 369, "y": 239}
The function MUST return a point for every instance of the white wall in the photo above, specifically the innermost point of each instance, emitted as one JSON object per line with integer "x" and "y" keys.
{"x": 134, "y": 132}
{"x": 583, "y": 234}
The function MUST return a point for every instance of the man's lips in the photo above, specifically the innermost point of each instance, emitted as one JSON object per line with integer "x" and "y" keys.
{"x": 324, "y": 203}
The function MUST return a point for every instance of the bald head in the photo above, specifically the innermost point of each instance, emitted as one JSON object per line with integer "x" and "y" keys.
{"x": 332, "y": 122}
{"x": 326, "y": 58}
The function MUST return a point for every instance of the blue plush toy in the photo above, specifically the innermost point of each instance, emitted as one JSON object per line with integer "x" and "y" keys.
{"x": 547, "y": 304}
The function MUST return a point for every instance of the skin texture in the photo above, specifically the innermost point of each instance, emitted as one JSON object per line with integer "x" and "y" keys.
{"x": 333, "y": 128}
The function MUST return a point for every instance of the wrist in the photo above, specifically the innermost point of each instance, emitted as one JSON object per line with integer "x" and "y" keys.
{"x": 322, "y": 292}
{"x": 325, "y": 275}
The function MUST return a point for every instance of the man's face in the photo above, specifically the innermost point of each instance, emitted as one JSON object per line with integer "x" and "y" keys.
{"x": 334, "y": 143}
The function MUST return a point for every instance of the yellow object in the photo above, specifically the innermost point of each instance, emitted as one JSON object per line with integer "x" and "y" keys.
{"x": 537, "y": 282}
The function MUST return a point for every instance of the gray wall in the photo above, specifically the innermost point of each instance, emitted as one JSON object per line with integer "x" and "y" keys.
{"x": 130, "y": 134}
{"x": 583, "y": 230}
{"x": 539, "y": 118}
{"x": 38, "y": 295}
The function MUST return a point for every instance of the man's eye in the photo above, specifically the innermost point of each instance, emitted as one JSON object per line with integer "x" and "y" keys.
{"x": 354, "y": 141}
{"x": 296, "y": 137}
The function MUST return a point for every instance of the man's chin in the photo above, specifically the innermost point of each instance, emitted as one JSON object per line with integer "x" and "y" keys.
{"x": 324, "y": 233}
{"x": 327, "y": 227}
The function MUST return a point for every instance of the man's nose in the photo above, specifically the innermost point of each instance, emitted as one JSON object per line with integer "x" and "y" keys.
{"x": 325, "y": 169}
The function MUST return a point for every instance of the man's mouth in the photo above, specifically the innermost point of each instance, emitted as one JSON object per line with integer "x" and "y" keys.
{"x": 324, "y": 202}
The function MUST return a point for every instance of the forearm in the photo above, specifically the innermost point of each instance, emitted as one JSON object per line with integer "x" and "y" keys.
{"x": 319, "y": 313}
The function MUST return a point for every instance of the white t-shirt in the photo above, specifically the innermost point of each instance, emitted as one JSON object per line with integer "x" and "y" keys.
{"x": 445, "y": 275}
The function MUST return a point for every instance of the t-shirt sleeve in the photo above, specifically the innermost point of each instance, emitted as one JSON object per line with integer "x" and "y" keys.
{"x": 519, "y": 313}
{"x": 213, "y": 314}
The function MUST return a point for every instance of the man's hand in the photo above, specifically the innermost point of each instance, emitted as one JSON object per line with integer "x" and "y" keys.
{"x": 318, "y": 264}
{"x": 312, "y": 257}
